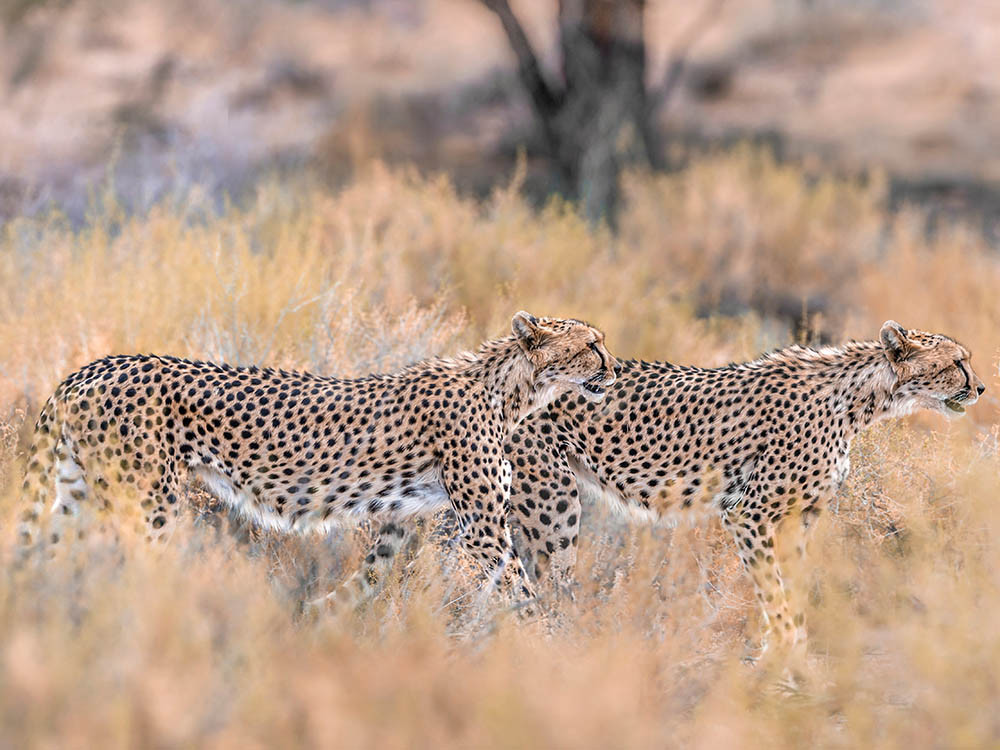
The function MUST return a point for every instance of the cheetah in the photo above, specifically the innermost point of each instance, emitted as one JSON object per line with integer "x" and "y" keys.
{"x": 758, "y": 443}
{"x": 301, "y": 452}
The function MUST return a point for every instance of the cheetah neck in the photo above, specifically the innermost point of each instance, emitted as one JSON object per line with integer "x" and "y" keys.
{"x": 860, "y": 383}
{"x": 509, "y": 379}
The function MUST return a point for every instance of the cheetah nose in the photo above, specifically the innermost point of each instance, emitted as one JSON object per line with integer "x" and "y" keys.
{"x": 980, "y": 389}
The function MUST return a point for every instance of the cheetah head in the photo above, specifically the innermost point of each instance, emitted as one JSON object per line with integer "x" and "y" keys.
{"x": 932, "y": 371}
{"x": 566, "y": 354}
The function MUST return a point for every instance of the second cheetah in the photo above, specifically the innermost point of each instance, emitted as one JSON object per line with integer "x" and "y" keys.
{"x": 763, "y": 444}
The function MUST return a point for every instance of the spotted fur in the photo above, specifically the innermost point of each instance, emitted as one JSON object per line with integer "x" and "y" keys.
{"x": 300, "y": 452}
{"x": 754, "y": 443}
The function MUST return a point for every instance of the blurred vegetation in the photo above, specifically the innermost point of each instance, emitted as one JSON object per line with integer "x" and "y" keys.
{"x": 12, "y": 12}
{"x": 200, "y": 642}
{"x": 172, "y": 94}
{"x": 127, "y": 127}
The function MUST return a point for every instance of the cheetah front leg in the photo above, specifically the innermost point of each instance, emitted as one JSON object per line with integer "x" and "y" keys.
{"x": 546, "y": 503}
{"x": 479, "y": 495}
{"x": 794, "y": 536}
{"x": 754, "y": 527}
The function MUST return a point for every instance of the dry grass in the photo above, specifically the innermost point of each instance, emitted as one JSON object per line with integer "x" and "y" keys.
{"x": 199, "y": 643}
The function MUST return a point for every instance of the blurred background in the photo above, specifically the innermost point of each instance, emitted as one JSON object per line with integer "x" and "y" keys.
{"x": 146, "y": 101}
{"x": 348, "y": 186}
{"x": 162, "y": 95}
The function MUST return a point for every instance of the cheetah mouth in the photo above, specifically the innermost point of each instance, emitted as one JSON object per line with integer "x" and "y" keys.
{"x": 954, "y": 405}
{"x": 596, "y": 387}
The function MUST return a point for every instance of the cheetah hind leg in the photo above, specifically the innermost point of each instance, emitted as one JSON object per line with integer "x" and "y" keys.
{"x": 72, "y": 516}
{"x": 367, "y": 582}
{"x": 39, "y": 481}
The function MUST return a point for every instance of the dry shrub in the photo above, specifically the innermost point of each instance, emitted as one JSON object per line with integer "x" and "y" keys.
{"x": 9, "y": 430}
{"x": 739, "y": 230}
{"x": 201, "y": 642}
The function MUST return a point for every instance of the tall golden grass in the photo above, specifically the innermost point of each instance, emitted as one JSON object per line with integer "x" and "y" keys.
{"x": 200, "y": 642}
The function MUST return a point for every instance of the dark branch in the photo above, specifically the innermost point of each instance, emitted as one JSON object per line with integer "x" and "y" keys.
{"x": 678, "y": 60}
{"x": 543, "y": 98}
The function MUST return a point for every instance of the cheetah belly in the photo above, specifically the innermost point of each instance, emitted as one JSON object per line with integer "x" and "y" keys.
{"x": 704, "y": 503}
{"x": 425, "y": 494}
{"x": 588, "y": 482}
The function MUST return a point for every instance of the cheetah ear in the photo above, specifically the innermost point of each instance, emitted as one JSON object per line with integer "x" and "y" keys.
{"x": 526, "y": 329}
{"x": 893, "y": 337}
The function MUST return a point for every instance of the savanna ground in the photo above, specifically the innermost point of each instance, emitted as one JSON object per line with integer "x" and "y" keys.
{"x": 201, "y": 643}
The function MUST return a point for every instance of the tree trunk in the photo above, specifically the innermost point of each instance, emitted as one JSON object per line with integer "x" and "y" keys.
{"x": 602, "y": 124}
{"x": 598, "y": 116}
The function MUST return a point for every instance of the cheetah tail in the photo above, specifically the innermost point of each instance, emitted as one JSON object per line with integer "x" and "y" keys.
{"x": 39, "y": 479}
